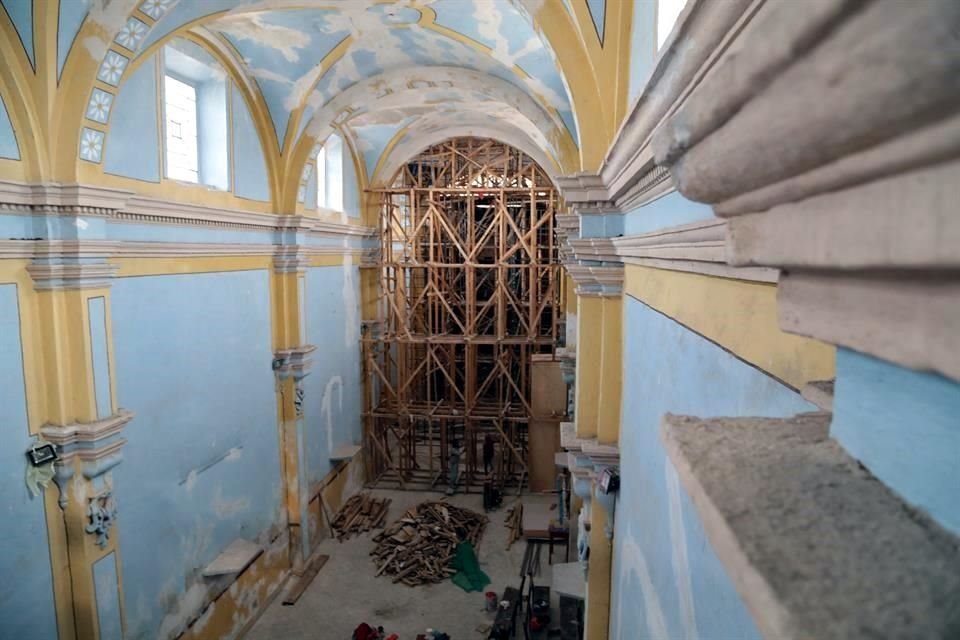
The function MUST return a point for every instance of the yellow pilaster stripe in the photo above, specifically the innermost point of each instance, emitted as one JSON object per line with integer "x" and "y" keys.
{"x": 32, "y": 339}
{"x": 598, "y": 578}
{"x": 611, "y": 382}
{"x": 589, "y": 364}
{"x": 740, "y": 316}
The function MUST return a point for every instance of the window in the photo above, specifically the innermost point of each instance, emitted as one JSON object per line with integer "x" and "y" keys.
{"x": 330, "y": 174}
{"x": 180, "y": 107}
{"x": 196, "y": 135}
{"x": 667, "y": 13}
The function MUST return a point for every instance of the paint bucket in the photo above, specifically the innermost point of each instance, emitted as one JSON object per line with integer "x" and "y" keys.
{"x": 491, "y": 601}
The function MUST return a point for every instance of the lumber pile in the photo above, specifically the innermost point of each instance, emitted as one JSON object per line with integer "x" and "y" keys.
{"x": 418, "y": 548}
{"x": 514, "y": 522}
{"x": 361, "y": 513}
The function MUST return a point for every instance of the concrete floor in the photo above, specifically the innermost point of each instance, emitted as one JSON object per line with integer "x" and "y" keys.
{"x": 346, "y": 593}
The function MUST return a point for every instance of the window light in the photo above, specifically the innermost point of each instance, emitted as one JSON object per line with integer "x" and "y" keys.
{"x": 180, "y": 108}
{"x": 667, "y": 13}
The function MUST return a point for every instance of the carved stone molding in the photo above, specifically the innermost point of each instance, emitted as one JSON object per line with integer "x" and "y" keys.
{"x": 95, "y": 447}
{"x": 596, "y": 249}
{"x": 126, "y": 207}
{"x": 59, "y": 199}
{"x": 855, "y": 202}
{"x": 597, "y": 281}
{"x": 295, "y": 362}
{"x": 290, "y": 259}
{"x": 71, "y": 275}
{"x": 699, "y": 247}
{"x": 589, "y": 455}
{"x": 629, "y": 175}
{"x": 55, "y": 249}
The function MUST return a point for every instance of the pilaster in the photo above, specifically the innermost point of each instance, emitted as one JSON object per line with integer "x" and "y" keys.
{"x": 78, "y": 407}
{"x": 588, "y": 461}
{"x": 291, "y": 364}
{"x": 598, "y": 279}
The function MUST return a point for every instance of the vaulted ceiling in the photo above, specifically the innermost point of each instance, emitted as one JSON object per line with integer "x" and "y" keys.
{"x": 380, "y": 70}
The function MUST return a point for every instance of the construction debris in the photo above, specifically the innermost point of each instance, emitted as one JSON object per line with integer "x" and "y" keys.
{"x": 418, "y": 548}
{"x": 513, "y": 522}
{"x": 361, "y": 513}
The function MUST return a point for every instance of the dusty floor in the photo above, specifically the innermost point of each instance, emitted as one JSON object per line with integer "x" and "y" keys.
{"x": 346, "y": 593}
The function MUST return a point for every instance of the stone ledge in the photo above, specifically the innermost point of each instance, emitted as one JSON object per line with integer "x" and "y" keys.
{"x": 820, "y": 393}
{"x": 238, "y": 555}
{"x": 345, "y": 452}
{"x": 815, "y": 545}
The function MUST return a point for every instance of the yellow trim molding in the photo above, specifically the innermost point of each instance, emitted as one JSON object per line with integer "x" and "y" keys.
{"x": 740, "y": 316}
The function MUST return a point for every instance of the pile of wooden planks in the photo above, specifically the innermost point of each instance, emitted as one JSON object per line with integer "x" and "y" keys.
{"x": 419, "y": 547}
{"x": 514, "y": 522}
{"x": 361, "y": 513}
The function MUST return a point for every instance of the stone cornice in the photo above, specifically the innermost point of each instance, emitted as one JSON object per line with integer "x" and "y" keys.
{"x": 699, "y": 247}
{"x": 594, "y": 249}
{"x": 149, "y": 210}
{"x": 568, "y": 224}
{"x": 96, "y": 444}
{"x": 295, "y": 362}
{"x": 55, "y": 198}
{"x": 71, "y": 275}
{"x": 290, "y": 259}
{"x": 629, "y": 175}
{"x": 125, "y": 206}
{"x": 134, "y": 249}
{"x": 87, "y": 432}
{"x": 597, "y": 280}
{"x": 855, "y": 203}
{"x": 600, "y": 455}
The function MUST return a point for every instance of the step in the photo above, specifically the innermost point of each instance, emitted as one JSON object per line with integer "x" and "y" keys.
{"x": 816, "y": 546}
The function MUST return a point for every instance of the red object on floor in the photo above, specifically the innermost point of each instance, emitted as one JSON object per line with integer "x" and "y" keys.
{"x": 393, "y": 636}
{"x": 365, "y": 632}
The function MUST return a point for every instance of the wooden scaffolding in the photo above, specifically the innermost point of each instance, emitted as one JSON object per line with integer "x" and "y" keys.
{"x": 470, "y": 288}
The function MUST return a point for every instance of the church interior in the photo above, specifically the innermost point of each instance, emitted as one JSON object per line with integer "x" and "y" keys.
{"x": 479, "y": 319}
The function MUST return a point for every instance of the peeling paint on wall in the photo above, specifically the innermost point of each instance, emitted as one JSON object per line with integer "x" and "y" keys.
{"x": 327, "y": 406}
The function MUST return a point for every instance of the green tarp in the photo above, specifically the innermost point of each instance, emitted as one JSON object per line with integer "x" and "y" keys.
{"x": 469, "y": 576}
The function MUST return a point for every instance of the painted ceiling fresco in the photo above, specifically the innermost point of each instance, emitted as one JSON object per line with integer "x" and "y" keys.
{"x": 388, "y": 64}
{"x": 377, "y": 69}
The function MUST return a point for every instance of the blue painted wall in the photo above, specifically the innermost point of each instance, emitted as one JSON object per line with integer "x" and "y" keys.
{"x": 666, "y": 578}
{"x": 333, "y": 325}
{"x": 8, "y": 139}
{"x": 26, "y": 602}
{"x": 643, "y": 46}
{"x": 249, "y": 168}
{"x": 670, "y": 210}
{"x": 213, "y": 133}
{"x": 21, "y": 14}
{"x": 904, "y": 426}
{"x": 598, "y": 12}
{"x": 133, "y": 148}
{"x": 71, "y": 19}
{"x": 202, "y": 464}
